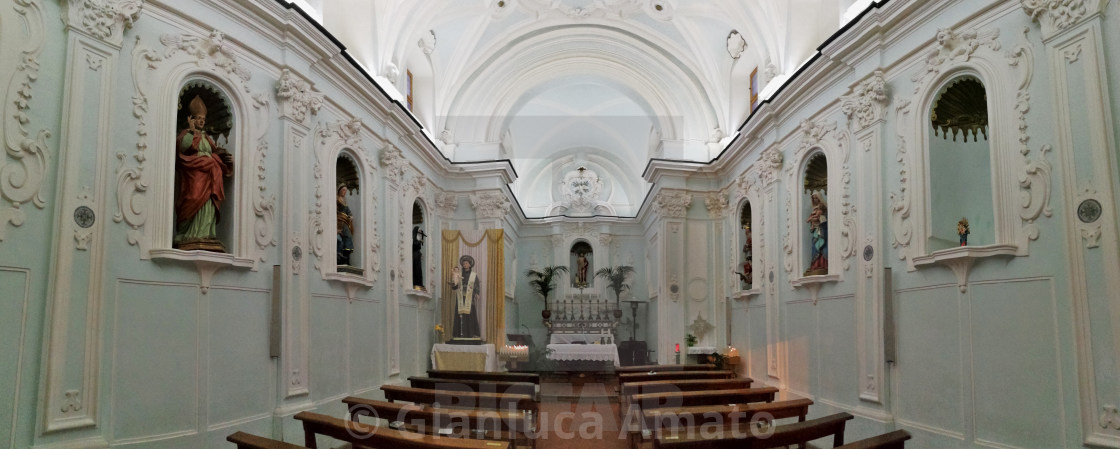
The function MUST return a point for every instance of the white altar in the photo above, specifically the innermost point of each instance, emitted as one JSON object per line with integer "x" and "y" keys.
{"x": 563, "y": 352}
{"x": 464, "y": 357}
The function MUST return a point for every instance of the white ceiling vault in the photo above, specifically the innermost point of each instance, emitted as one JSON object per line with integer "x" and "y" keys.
{"x": 556, "y": 85}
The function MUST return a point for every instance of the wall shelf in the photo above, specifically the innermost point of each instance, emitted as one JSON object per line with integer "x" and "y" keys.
{"x": 960, "y": 259}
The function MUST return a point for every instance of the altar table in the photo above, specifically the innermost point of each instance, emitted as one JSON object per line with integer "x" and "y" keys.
{"x": 447, "y": 357}
{"x": 562, "y": 352}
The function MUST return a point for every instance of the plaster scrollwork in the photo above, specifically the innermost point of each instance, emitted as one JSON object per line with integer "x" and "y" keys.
{"x": 211, "y": 51}
{"x": 296, "y": 254}
{"x": 491, "y": 204}
{"x": 834, "y": 142}
{"x": 770, "y": 164}
{"x": 133, "y": 180}
{"x": 297, "y": 99}
{"x": 446, "y": 203}
{"x": 1035, "y": 173}
{"x": 394, "y": 163}
{"x": 580, "y": 191}
{"x": 606, "y": 239}
{"x": 104, "y": 19}
{"x": 23, "y": 173}
{"x": 865, "y": 104}
{"x": 1056, "y": 16}
{"x": 717, "y": 204}
{"x": 673, "y": 203}
{"x": 264, "y": 205}
{"x": 902, "y": 229}
{"x": 953, "y": 47}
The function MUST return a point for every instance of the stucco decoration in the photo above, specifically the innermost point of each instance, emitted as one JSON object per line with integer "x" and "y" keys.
{"x": 22, "y": 173}
{"x": 427, "y": 42}
{"x": 1056, "y": 16}
{"x": 394, "y": 163}
{"x": 598, "y": 9}
{"x": 142, "y": 185}
{"x": 716, "y": 203}
{"x": 492, "y": 204}
{"x": 736, "y": 45}
{"x": 1022, "y": 181}
{"x": 446, "y": 203}
{"x": 580, "y": 190}
{"x": 865, "y": 104}
{"x": 834, "y": 142}
{"x": 106, "y": 20}
{"x": 673, "y": 203}
{"x": 333, "y": 138}
{"x": 297, "y": 99}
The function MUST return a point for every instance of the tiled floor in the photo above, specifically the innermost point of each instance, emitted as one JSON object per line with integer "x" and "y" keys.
{"x": 580, "y": 415}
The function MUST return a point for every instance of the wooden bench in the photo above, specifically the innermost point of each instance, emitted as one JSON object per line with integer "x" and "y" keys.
{"x": 657, "y": 421}
{"x": 892, "y": 440}
{"x": 249, "y": 441}
{"x": 747, "y": 436}
{"x": 479, "y": 386}
{"x": 647, "y": 401}
{"x": 661, "y": 368}
{"x": 672, "y": 386}
{"x": 478, "y": 375}
{"x": 365, "y": 435}
{"x": 489, "y": 424}
{"x": 461, "y": 399}
{"x": 674, "y": 375}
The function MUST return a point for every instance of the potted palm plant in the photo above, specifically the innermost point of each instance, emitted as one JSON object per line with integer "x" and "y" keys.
{"x": 616, "y": 281}
{"x": 543, "y": 282}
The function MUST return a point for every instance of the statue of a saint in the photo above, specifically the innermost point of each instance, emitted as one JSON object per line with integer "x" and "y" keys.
{"x": 467, "y": 291}
{"x": 200, "y": 167}
{"x": 345, "y": 241}
{"x": 818, "y": 233}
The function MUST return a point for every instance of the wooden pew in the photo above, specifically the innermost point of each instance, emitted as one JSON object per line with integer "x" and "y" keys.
{"x": 463, "y": 423}
{"x": 461, "y": 399}
{"x": 892, "y": 440}
{"x": 477, "y": 375}
{"x": 671, "y": 386}
{"x": 647, "y": 401}
{"x": 660, "y": 420}
{"x": 672, "y": 375}
{"x": 785, "y": 435}
{"x": 481, "y": 386}
{"x": 365, "y": 435}
{"x": 660, "y": 368}
{"x": 249, "y": 441}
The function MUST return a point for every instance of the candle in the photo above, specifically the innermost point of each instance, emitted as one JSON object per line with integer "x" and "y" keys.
{"x": 678, "y": 347}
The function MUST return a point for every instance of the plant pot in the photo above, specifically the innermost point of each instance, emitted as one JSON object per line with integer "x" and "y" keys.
{"x": 546, "y": 314}
{"x": 618, "y": 313}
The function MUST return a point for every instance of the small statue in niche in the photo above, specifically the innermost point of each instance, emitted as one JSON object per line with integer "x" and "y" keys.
{"x": 345, "y": 241}
{"x": 200, "y": 166}
{"x": 581, "y": 269}
{"x": 747, "y": 254}
{"x": 818, "y": 234}
{"x": 418, "y": 258}
{"x": 962, "y": 230}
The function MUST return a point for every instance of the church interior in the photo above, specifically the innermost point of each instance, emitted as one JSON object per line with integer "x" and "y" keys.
{"x": 560, "y": 223}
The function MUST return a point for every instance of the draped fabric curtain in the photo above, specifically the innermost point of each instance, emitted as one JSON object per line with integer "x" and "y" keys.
{"x": 486, "y": 247}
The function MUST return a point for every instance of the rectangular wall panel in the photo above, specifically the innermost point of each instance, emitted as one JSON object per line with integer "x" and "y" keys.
{"x": 929, "y": 373}
{"x": 329, "y": 353}
{"x": 241, "y": 373}
{"x": 800, "y": 339}
{"x": 13, "y": 322}
{"x": 155, "y": 374}
{"x": 1015, "y": 364}
{"x": 837, "y": 356}
{"x": 756, "y": 351}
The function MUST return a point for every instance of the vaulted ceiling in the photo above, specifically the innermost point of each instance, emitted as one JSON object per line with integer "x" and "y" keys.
{"x": 556, "y": 85}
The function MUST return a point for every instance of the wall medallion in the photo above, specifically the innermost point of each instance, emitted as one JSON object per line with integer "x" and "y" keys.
{"x": 84, "y": 216}
{"x": 297, "y": 253}
{"x": 1089, "y": 211}
{"x": 868, "y": 253}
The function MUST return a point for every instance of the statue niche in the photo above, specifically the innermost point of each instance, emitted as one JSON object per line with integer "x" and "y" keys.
{"x": 203, "y": 169}
{"x": 581, "y": 256}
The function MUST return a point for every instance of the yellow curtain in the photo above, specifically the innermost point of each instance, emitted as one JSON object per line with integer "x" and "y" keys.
{"x": 495, "y": 282}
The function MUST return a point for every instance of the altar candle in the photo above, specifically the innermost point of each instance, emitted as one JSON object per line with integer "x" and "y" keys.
{"x": 678, "y": 348}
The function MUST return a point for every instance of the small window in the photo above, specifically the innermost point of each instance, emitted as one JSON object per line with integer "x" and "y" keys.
{"x": 348, "y": 207}
{"x": 203, "y": 204}
{"x": 418, "y": 236}
{"x": 754, "y": 89}
{"x": 960, "y": 167}
{"x": 746, "y": 259}
{"x": 408, "y": 88}
{"x": 816, "y": 211}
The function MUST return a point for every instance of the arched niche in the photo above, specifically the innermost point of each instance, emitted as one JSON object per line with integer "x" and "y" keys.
{"x": 814, "y": 203}
{"x": 582, "y": 264}
{"x": 419, "y": 240}
{"x": 205, "y": 199}
{"x": 960, "y": 165}
{"x": 745, "y": 268}
{"x": 348, "y": 209}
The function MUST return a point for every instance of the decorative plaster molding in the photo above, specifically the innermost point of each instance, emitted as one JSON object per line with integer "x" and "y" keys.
{"x": 492, "y": 204}
{"x": 1057, "y": 16}
{"x": 296, "y": 97}
{"x": 395, "y": 164}
{"x": 605, "y": 240}
{"x": 427, "y": 42}
{"x": 717, "y": 204}
{"x": 211, "y": 52}
{"x": 902, "y": 229}
{"x": 953, "y": 47}
{"x": 771, "y": 165}
{"x": 446, "y": 203}
{"x": 673, "y": 203}
{"x": 333, "y": 139}
{"x": 580, "y": 190}
{"x": 865, "y": 104}
{"x": 616, "y": 9}
{"x": 23, "y": 173}
{"x": 296, "y": 253}
{"x": 736, "y": 45}
{"x": 106, "y": 20}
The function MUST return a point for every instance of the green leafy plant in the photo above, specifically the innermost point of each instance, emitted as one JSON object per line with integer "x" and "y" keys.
{"x": 543, "y": 281}
{"x": 690, "y": 340}
{"x": 616, "y": 279}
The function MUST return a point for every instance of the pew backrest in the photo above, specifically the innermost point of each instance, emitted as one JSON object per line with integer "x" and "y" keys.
{"x": 477, "y": 375}
{"x": 730, "y": 415}
{"x": 249, "y": 441}
{"x": 703, "y": 397}
{"x": 460, "y": 399}
{"x": 774, "y": 437}
{"x": 669, "y": 375}
{"x": 890, "y": 440}
{"x": 437, "y": 418}
{"x": 361, "y": 434}
{"x": 648, "y": 368}
{"x": 675, "y": 385}
{"x": 480, "y": 386}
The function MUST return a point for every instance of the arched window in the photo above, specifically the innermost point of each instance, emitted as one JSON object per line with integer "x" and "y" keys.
{"x": 746, "y": 259}
{"x": 815, "y": 204}
{"x": 204, "y": 167}
{"x": 418, "y": 236}
{"x": 348, "y": 207}
{"x": 583, "y": 272}
{"x": 960, "y": 166}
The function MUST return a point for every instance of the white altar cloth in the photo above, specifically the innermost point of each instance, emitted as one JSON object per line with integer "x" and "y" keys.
{"x": 586, "y": 338}
{"x": 487, "y": 352}
{"x": 575, "y": 352}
